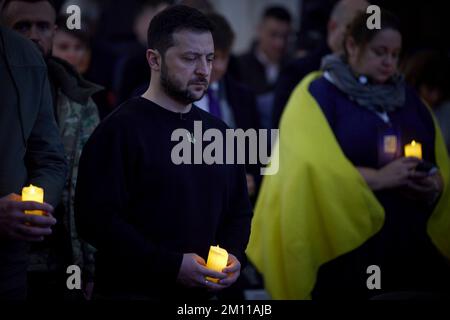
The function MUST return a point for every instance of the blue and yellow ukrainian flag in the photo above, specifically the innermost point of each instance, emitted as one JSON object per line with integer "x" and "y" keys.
{"x": 318, "y": 207}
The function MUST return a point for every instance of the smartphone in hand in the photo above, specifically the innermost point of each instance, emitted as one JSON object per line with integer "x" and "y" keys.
{"x": 427, "y": 167}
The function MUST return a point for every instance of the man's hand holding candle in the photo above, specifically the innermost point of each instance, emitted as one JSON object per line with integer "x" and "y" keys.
{"x": 16, "y": 225}
{"x": 193, "y": 273}
{"x": 233, "y": 270}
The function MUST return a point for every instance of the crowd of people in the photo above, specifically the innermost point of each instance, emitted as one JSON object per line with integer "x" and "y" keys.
{"x": 89, "y": 116}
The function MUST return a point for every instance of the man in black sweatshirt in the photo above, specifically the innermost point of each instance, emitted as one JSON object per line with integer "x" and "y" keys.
{"x": 152, "y": 220}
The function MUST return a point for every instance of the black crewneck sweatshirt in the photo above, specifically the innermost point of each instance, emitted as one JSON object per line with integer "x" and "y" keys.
{"x": 143, "y": 212}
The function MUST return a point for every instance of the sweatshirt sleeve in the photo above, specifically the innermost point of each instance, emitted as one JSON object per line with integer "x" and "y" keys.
{"x": 234, "y": 232}
{"x": 101, "y": 200}
{"x": 45, "y": 158}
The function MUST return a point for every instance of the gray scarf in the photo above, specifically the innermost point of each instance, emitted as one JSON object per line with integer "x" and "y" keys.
{"x": 385, "y": 97}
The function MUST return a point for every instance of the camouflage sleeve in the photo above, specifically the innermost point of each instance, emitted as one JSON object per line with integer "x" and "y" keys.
{"x": 44, "y": 157}
{"x": 89, "y": 261}
{"x": 89, "y": 121}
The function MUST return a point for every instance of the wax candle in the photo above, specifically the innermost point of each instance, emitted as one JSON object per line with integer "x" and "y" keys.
{"x": 217, "y": 260}
{"x": 33, "y": 193}
{"x": 414, "y": 149}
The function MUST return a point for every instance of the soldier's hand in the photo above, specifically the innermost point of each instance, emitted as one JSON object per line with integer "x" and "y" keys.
{"x": 16, "y": 225}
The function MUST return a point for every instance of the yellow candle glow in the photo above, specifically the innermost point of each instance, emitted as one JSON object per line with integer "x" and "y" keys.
{"x": 217, "y": 260}
{"x": 414, "y": 149}
{"x": 33, "y": 193}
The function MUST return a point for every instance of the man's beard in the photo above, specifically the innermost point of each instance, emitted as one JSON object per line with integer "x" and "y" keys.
{"x": 173, "y": 90}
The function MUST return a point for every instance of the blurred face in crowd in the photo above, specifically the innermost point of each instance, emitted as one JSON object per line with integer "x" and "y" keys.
{"x": 432, "y": 95}
{"x": 144, "y": 18}
{"x": 186, "y": 67}
{"x": 273, "y": 38}
{"x": 71, "y": 49}
{"x": 378, "y": 59}
{"x": 36, "y": 21}
{"x": 343, "y": 13}
{"x": 220, "y": 65}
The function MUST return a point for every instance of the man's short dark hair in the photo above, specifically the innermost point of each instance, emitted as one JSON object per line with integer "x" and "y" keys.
{"x": 278, "y": 13}
{"x": 223, "y": 35}
{"x": 174, "y": 19}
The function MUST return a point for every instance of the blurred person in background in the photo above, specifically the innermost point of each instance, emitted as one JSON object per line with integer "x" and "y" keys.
{"x": 427, "y": 71}
{"x": 341, "y": 15}
{"x": 72, "y": 46}
{"x": 226, "y": 98}
{"x": 131, "y": 71}
{"x": 260, "y": 66}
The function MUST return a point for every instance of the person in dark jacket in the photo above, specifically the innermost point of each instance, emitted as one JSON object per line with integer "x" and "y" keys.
{"x": 32, "y": 153}
{"x": 259, "y": 67}
{"x": 76, "y": 116}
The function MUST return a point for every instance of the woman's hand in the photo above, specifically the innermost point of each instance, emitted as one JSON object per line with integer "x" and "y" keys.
{"x": 426, "y": 189}
{"x": 395, "y": 174}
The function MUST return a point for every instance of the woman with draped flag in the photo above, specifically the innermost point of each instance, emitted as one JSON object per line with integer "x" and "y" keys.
{"x": 346, "y": 199}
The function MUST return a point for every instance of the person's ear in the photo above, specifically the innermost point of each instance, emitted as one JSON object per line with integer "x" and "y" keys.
{"x": 351, "y": 47}
{"x": 154, "y": 59}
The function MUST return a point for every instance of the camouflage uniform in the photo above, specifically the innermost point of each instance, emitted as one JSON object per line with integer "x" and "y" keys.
{"x": 76, "y": 123}
{"x": 77, "y": 116}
